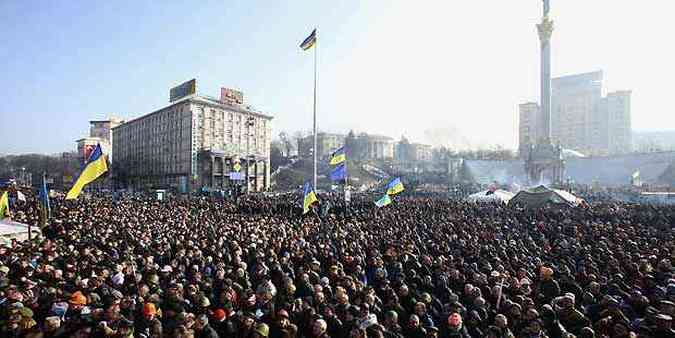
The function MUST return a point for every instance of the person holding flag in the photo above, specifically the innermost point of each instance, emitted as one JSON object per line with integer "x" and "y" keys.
{"x": 95, "y": 167}
{"x": 309, "y": 198}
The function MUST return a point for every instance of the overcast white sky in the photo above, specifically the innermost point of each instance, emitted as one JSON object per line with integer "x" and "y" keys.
{"x": 465, "y": 65}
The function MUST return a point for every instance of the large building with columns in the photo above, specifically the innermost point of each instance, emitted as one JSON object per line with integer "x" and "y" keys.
{"x": 196, "y": 142}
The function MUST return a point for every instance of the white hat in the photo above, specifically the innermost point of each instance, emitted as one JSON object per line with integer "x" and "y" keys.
{"x": 118, "y": 279}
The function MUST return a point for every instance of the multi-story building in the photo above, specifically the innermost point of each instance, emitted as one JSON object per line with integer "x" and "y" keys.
{"x": 326, "y": 143}
{"x": 193, "y": 143}
{"x": 421, "y": 152}
{"x": 379, "y": 147}
{"x": 620, "y": 135}
{"x": 653, "y": 141}
{"x": 100, "y": 132}
{"x": 576, "y": 111}
{"x": 581, "y": 118}
{"x": 528, "y": 118}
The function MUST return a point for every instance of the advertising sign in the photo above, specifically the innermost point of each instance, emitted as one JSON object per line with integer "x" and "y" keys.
{"x": 183, "y": 90}
{"x": 87, "y": 151}
{"x": 236, "y": 176}
{"x": 231, "y": 96}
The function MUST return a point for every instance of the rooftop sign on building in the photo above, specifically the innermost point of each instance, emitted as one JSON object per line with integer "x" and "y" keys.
{"x": 183, "y": 90}
{"x": 231, "y": 96}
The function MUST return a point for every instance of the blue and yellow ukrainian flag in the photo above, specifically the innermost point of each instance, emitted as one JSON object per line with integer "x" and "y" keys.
{"x": 310, "y": 198}
{"x": 384, "y": 201}
{"x": 338, "y": 156}
{"x": 309, "y": 41}
{"x": 4, "y": 204}
{"x": 395, "y": 186}
{"x": 95, "y": 167}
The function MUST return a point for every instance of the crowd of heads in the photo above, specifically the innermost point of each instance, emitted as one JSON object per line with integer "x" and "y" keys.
{"x": 421, "y": 267}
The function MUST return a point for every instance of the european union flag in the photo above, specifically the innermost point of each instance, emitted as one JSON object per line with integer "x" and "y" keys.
{"x": 395, "y": 186}
{"x": 309, "y": 199}
{"x": 339, "y": 173}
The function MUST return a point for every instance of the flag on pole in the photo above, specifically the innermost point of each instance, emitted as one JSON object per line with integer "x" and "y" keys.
{"x": 384, "y": 201}
{"x": 635, "y": 178}
{"x": 309, "y": 198}
{"x": 96, "y": 166}
{"x": 4, "y": 205}
{"x": 338, "y": 156}
{"x": 309, "y": 42}
{"x": 395, "y": 186}
{"x": 44, "y": 197}
{"x": 339, "y": 173}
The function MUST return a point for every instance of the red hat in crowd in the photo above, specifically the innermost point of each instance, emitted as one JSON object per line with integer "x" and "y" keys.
{"x": 219, "y": 315}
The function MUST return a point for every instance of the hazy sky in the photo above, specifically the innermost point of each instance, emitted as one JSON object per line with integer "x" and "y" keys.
{"x": 455, "y": 68}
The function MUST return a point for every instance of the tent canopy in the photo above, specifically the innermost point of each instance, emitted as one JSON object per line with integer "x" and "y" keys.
{"x": 541, "y": 195}
{"x": 14, "y": 230}
{"x": 488, "y": 196}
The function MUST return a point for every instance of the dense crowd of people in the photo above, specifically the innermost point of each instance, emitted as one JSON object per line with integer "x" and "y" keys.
{"x": 420, "y": 267}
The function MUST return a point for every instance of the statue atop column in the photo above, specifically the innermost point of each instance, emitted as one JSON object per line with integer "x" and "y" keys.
{"x": 545, "y": 28}
{"x": 545, "y": 159}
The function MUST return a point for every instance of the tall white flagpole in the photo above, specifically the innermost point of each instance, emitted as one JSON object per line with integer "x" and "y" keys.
{"x": 316, "y": 42}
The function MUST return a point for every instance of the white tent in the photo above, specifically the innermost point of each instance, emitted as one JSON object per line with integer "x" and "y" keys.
{"x": 541, "y": 195}
{"x": 488, "y": 196}
{"x": 14, "y": 230}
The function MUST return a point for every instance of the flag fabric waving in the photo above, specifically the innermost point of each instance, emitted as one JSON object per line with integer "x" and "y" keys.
{"x": 395, "y": 186}
{"x": 96, "y": 166}
{"x": 635, "y": 178}
{"x": 4, "y": 205}
{"x": 309, "y": 42}
{"x": 384, "y": 201}
{"x": 338, "y": 156}
{"x": 339, "y": 173}
{"x": 309, "y": 198}
{"x": 44, "y": 198}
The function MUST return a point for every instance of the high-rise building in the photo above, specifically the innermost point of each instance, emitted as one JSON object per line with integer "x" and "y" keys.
{"x": 581, "y": 118}
{"x": 528, "y": 126}
{"x": 620, "y": 134}
{"x": 193, "y": 143}
{"x": 576, "y": 106}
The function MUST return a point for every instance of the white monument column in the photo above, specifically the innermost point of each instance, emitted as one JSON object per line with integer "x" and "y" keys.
{"x": 545, "y": 29}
